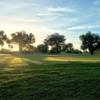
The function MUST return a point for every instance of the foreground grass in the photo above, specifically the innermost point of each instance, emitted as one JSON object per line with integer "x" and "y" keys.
{"x": 41, "y": 78}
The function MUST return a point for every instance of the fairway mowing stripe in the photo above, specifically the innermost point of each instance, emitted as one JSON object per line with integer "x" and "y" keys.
{"x": 57, "y": 59}
{"x": 33, "y": 61}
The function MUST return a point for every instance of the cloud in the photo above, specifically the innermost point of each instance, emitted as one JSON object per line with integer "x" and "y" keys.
{"x": 43, "y": 17}
{"x": 60, "y": 9}
{"x": 97, "y": 2}
{"x": 43, "y": 14}
{"x": 49, "y": 14}
{"x": 23, "y": 20}
{"x": 83, "y": 27}
{"x": 16, "y": 19}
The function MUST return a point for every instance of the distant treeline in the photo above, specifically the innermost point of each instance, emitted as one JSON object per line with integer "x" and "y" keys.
{"x": 54, "y": 43}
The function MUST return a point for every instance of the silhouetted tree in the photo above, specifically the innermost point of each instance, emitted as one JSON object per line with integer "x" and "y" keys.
{"x": 22, "y": 39}
{"x": 90, "y": 41}
{"x": 55, "y": 41}
{"x": 42, "y": 48}
{"x": 3, "y": 38}
{"x": 68, "y": 47}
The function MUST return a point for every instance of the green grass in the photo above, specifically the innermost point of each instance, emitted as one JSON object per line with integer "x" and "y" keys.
{"x": 45, "y": 77}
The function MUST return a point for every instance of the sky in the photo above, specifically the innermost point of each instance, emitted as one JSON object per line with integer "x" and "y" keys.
{"x": 44, "y": 17}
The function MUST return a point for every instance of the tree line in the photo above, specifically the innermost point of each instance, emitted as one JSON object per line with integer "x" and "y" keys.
{"x": 54, "y": 43}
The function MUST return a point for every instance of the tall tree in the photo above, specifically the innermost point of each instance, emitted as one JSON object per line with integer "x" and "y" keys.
{"x": 42, "y": 48}
{"x": 55, "y": 41}
{"x": 22, "y": 39}
{"x": 90, "y": 41}
{"x": 68, "y": 47}
{"x": 3, "y": 38}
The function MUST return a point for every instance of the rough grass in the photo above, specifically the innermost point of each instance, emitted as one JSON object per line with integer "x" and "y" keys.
{"x": 35, "y": 77}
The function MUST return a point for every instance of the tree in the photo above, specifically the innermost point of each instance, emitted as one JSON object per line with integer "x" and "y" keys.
{"x": 42, "y": 48}
{"x": 22, "y": 39}
{"x": 90, "y": 41}
{"x": 3, "y": 38}
{"x": 55, "y": 41}
{"x": 68, "y": 47}
{"x": 29, "y": 49}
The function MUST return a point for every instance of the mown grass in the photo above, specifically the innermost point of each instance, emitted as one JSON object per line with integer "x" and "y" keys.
{"x": 34, "y": 77}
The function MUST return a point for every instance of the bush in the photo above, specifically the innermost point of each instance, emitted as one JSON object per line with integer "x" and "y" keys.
{"x": 76, "y": 51}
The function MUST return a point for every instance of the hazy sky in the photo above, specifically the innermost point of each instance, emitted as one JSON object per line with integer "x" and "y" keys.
{"x": 43, "y": 17}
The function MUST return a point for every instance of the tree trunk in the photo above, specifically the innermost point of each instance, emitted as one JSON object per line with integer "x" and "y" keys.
{"x": 91, "y": 50}
{"x": 20, "y": 48}
{"x": 57, "y": 48}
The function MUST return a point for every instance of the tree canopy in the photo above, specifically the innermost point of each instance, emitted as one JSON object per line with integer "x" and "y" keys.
{"x": 22, "y": 39}
{"x": 90, "y": 41}
{"x": 68, "y": 47}
{"x": 55, "y": 41}
{"x": 3, "y": 38}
